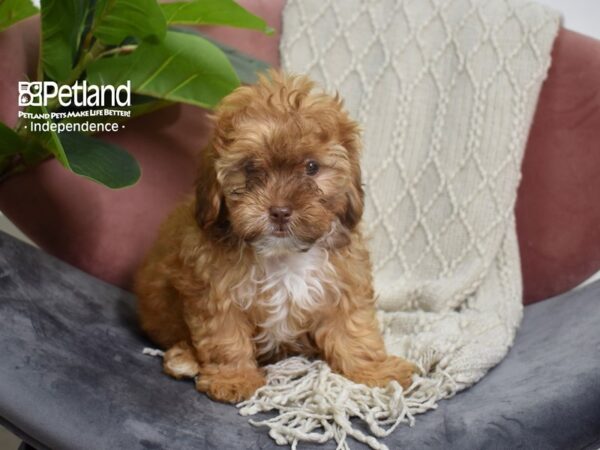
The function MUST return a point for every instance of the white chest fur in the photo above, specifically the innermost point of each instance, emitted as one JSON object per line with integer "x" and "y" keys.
{"x": 287, "y": 288}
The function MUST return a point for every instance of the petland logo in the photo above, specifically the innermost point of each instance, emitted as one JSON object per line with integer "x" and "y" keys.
{"x": 81, "y": 94}
{"x": 79, "y": 108}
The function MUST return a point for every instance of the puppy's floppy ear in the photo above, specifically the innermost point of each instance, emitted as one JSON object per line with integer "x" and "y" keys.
{"x": 211, "y": 210}
{"x": 354, "y": 200}
{"x": 350, "y": 140}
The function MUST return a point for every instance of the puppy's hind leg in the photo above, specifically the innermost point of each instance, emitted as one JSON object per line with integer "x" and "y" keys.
{"x": 180, "y": 361}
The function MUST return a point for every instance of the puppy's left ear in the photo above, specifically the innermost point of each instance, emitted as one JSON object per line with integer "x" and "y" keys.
{"x": 355, "y": 194}
{"x": 354, "y": 201}
{"x": 211, "y": 210}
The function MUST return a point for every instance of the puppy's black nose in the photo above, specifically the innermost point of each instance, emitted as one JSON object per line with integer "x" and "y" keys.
{"x": 280, "y": 214}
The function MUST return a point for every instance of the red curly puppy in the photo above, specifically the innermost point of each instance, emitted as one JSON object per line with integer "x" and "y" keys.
{"x": 268, "y": 259}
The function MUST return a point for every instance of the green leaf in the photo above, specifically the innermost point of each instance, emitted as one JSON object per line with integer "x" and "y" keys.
{"x": 246, "y": 67}
{"x": 62, "y": 25}
{"x": 88, "y": 157}
{"x": 116, "y": 20}
{"x": 100, "y": 161}
{"x": 13, "y": 11}
{"x": 183, "y": 68}
{"x": 10, "y": 142}
{"x": 213, "y": 12}
{"x": 34, "y": 152}
{"x": 49, "y": 139}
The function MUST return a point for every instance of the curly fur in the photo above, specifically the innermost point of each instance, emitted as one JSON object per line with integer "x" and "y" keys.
{"x": 225, "y": 288}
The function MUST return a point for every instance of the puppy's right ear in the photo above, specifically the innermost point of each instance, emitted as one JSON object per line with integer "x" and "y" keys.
{"x": 211, "y": 210}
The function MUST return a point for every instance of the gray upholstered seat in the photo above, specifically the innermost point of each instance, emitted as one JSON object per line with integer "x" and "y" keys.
{"x": 72, "y": 376}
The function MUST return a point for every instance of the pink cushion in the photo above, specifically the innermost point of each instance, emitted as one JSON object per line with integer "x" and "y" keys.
{"x": 106, "y": 232}
{"x": 558, "y": 208}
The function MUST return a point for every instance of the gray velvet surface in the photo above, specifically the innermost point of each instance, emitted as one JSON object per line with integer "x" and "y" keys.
{"x": 72, "y": 376}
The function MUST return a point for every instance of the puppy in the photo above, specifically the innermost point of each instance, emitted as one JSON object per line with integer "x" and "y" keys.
{"x": 267, "y": 259}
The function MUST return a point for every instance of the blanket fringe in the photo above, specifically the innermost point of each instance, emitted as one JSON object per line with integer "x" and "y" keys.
{"x": 315, "y": 404}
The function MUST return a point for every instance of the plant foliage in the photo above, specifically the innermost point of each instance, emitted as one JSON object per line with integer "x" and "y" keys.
{"x": 181, "y": 68}
{"x": 118, "y": 41}
{"x": 13, "y": 11}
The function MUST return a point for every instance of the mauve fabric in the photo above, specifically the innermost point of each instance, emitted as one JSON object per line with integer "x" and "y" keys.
{"x": 107, "y": 232}
{"x": 558, "y": 206}
{"x": 73, "y": 376}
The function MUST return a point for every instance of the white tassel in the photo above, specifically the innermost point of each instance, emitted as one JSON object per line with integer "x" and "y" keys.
{"x": 153, "y": 352}
{"x": 316, "y": 405}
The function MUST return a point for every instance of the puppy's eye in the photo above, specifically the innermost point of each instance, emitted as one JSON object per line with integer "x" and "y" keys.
{"x": 251, "y": 169}
{"x": 311, "y": 167}
{"x": 248, "y": 166}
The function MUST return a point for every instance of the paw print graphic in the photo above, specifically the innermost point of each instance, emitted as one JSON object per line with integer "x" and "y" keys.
{"x": 30, "y": 93}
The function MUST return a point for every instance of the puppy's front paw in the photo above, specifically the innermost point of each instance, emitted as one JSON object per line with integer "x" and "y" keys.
{"x": 180, "y": 362}
{"x": 230, "y": 386}
{"x": 381, "y": 373}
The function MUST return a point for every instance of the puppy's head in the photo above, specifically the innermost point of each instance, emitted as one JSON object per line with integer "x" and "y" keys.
{"x": 282, "y": 171}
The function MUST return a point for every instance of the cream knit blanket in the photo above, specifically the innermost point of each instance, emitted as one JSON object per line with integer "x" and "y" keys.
{"x": 445, "y": 91}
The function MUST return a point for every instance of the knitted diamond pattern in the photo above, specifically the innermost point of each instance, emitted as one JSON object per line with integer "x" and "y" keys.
{"x": 445, "y": 91}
